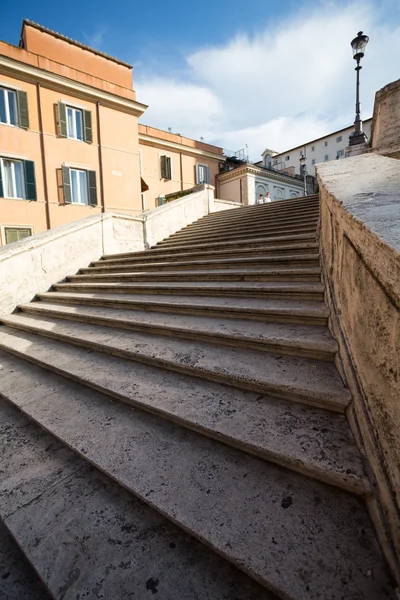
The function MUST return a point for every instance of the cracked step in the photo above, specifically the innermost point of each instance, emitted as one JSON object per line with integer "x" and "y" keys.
{"x": 289, "y": 339}
{"x": 303, "y": 380}
{"x": 283, "y": 311}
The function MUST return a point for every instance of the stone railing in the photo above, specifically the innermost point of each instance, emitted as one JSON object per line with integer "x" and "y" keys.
{"x": 385, "y": 134}
{"x": 360, "y": 247}
{"x": 35, "y": 263}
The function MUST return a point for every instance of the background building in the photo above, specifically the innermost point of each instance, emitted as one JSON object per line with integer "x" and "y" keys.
{"x": 323, "y": 149}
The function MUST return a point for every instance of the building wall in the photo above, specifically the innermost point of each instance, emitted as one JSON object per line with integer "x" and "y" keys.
{"x": 117, "y": 181}
{"x": 245, "y": 184}
{"x": 291, "y": 158}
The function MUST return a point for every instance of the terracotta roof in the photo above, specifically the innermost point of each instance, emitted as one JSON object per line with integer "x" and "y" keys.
{"x": 71, "y": 41}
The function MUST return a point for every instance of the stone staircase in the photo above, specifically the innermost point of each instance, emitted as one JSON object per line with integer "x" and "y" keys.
{"x": 173, "y": 424}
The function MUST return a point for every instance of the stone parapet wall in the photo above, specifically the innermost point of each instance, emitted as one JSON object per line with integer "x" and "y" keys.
{"x": 360, "y": 247}
{"x": 386, "y": 121}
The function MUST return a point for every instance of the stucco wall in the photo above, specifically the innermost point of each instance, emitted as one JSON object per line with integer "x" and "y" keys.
{"x": 386, "y": 121}
{"x": 360, "y": 244}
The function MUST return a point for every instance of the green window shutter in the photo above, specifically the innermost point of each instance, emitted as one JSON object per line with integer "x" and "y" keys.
{"x": 87, "y": 126}
{"x": 92, "y": 191}
{"x": 167, "y": 167}
{"x": 22, "y": 103}
{"x": 163, "y": 160}
{"x": 208, "y": 176}
{"x": 62, "y": 120}
{"x": 1, "y": 183}
{"x": 66, "y": 181}
{"x": 30, "y": 180}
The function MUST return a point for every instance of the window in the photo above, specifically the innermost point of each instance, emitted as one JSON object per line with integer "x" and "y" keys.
{"x": 74, "y": 123}
{"x": 275, "y": 162}
{"x": 79, "y": 186}
{"x": 312, "y": 148}
{"x": 17, "y": 179}
{"x": 313, "y": 161}
{"x": 326, "y": 143}
{"x": 15, "y": 234}
{"x": 202, "y": 174}
{"x": 287, "y": 158}
{"x": 339, "y": 139}
{"x": 326, "y": 157}
{"x": 340, "y": 153}
{"x": 165, "y": 167}
{"x": 14, "y": 107}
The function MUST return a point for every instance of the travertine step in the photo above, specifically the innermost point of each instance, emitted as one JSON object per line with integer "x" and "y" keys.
{"x": 257, "y": 210}
{"x": 18, "y": 580}
{"x": 260, "y": 242}
{"x": 228, "y": 499}
{"x": 303, "y": 380}
{"x": 242, "y": 235}
{"x": 300, "y": 340}
{"x": 283, "y": 311}
{"x": 155, "y": 255}
{"x": 267, "y": 427}
{"x": 282, "y": 273}
{"x": 84, "y": 534}
{"x": 301, "y": 260}
{"x": 284, "y": 290}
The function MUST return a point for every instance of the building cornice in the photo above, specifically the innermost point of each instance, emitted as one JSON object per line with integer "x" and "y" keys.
{"x": 57, "y": 82}
{"x": 154, "y": 141}
{"x": 252, "y": 170}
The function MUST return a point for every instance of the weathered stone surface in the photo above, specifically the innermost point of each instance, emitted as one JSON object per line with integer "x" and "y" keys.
{"x": 299, "y": 379}
{"x": 311, "y": 441}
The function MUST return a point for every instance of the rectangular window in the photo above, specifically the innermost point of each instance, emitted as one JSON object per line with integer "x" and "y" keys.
{"x": 287, "y": 158}
{"x": 203, "y": 174}
{"x": 15, "y": 234}
{"x": 79, "y": 186}
{"x": 313, "y": 161}
{"x": 74, "y": 123}
{"x": 340, "y": 153}
{"x": 79, "y": 189}
{"x": 165, "y": 167}
{"x": 326, "y": 143}
{"x": 12, "y": 177}
{"x": 312, "y": 148}
{"x": 326, "y": 157}
{"x": 339, "y": 139}
{"x": 8, "y": 106}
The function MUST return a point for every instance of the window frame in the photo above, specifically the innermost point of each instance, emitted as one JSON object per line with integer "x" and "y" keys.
{"x": 339, "y": 139}
{"x": 313, "y": 162}
{"x": 326, "y": 143}
{"x": 340, "y": 153}
{"x": 168, "y": 160}
{"x": 312, "y": 148}
{"x": 5, "y": 227}
{"x": 207, "y": 171}
{"x": 326, "y": 159}
{"x": 77, "y": 171}
{"x": 75, "y": 111}
{"x": 9, "y": 90}
{"x": 14, "y": 184}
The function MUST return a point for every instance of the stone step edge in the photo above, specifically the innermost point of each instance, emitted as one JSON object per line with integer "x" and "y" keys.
{"x": 244, "y": 224}
{"x": 301, "y": 396}
{"x": 256, "y": 314}
{"x": 226, "y": 236}
{"x": 319, "y": 351}
{"x": 359, "y": 486}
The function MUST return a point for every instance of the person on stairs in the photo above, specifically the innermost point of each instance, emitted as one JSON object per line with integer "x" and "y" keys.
{"x": 267, "y": 198}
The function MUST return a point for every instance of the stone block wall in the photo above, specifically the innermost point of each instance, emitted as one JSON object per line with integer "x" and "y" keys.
{"x": 386, "y": 121}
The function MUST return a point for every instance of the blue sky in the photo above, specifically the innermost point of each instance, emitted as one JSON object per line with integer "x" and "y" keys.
{"x": 262, "y": 73}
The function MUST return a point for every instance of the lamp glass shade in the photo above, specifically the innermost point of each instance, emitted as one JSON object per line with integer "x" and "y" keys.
{"x": 359, "y": 44}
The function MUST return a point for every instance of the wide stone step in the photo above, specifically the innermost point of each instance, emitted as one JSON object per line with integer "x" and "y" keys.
{"x": 303, "y": 380}
{"x": 257, "y": 210}
{"x": 84, "y": 534}
{"x": 282, "y": 273}
{"x": 293, "y": 339}
{"x": 267, "y": 427}
{"x": 18, "y": 580}
{"x": 253, "y": 289}
{"x": 301, "y": 260}
{"x": 242, "y": 235}
{"x": 253, "y": 513}
{"x": 259, "y": 242}
{"x": 283, "y": 311}
{"x": 155, "y": 255}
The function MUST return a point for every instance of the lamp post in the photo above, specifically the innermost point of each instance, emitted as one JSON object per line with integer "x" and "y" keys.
{"x": 303, "y": 171}
{"x": 358, "y": 44}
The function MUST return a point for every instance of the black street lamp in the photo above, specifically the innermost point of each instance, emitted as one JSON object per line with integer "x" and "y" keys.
{"x": 303, "y": 171}
{"x": 358, "y": 44}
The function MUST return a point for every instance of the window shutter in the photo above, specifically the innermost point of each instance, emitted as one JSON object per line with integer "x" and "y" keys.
{"x": 30, "y": 180}
{"x": 22, "y": 103}
{"x": 163, "y": 163}
{"x": 87, "y": 126}
{"x": 62, "y": 120}
{"x": 208, "y": 176}
{"x": 1, "y": 183}
{"x": 197, "y": 174}
{"x": 167, "y": 167}
{"x": 66, "y": 181}
{"x": 92, "y": 191}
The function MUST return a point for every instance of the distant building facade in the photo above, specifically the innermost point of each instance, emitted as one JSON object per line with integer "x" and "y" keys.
{"x": 323, "y": 149}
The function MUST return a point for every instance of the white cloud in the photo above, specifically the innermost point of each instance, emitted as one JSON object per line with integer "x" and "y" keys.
{"x": 289, "y": 83}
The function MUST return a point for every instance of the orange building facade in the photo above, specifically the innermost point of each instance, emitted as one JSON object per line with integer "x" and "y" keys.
{"x": 70, "y": 142}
